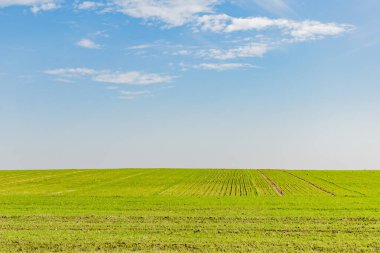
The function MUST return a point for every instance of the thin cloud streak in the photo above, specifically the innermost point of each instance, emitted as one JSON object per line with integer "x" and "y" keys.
{"x": 112, "y": 77}
{"x": 217, "y": 66}
{"x": 130, "y": 95}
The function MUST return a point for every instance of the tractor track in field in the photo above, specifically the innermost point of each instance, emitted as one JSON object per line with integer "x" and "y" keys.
{"x": 312, "y": 184}
{"x": 274, "y": 186}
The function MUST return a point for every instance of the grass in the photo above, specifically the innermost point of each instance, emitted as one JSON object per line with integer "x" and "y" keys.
{"x": 189, "y": 210}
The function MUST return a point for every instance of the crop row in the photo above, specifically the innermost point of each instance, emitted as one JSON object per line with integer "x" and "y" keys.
{"x": 222, "y": 183}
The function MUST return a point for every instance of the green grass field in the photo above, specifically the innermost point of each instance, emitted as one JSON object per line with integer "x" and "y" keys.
{"x": 189, "y": 210}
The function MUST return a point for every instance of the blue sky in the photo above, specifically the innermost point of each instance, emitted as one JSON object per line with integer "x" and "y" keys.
{"x": 196, "y": 83}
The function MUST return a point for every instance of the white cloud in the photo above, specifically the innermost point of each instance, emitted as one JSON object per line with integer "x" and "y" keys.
{"x": 170, "y": 12}
{"x": 254, "y": 23}
{"x": 249, "y": 50}
{"x": 132, "y": 77}
{"x": 63, "y": 80}
{"x": 216, "y": 66}
{"x": 129, "y": 95}
{"x": 105, "y": 76}
{"x": 223, "y": 66}
{"x": 141, "y": 46}
{"x": 36, "y": 5}
{"x": 180, "y": 12}
{"x": 45, "y": 7}
{"x": 245, "y": 48}
{"x": 183, "y": 52}
{"x": 88, "y": 5}
{"x": 70, "y": 72}
{"x": 314, "y": 29}
{"x": 298, "y": 30}
{"x": 87, "y": 43}
{"x": 214, "y": 23}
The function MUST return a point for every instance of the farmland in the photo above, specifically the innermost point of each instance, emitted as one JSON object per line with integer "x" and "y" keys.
{"x": 190, "y": 210}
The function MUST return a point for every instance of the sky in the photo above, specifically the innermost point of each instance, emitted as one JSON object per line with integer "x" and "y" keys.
{"x": 282, "y": 84}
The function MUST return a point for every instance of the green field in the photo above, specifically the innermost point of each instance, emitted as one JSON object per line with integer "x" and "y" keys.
{"x": 189, "y": 210}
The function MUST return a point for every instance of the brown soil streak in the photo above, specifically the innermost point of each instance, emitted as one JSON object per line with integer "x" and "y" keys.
{"x": 274, "y": 186}
{"x": 312, "y": 184}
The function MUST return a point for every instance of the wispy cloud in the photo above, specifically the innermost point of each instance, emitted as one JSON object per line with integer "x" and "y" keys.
{"x": 168, "y": 12}
{"x": 63, "y": 80}
{"x": 140, "y": 46}
{"x": 88, "y": 5}
{"x": 45, "y": 7}
{"x": 130, "y": 95}
{"x": 35, "y": 5}
{"x": 71, "y": 72}
{"x": 223, "y": 66}
{"x": 132, "y": 77}
{"x": 115, "y": 78}
{"x": 196, "y": 15}
{"x": 106, "y": 76}
{"x": 244, "y": 51}
{"x": 87, "y": 43}
{"x": 216, "y": 66}
{"x": 298, "y": 30}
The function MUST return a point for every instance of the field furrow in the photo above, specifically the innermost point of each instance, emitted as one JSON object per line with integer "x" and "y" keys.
{"x": 291, "y": 185}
